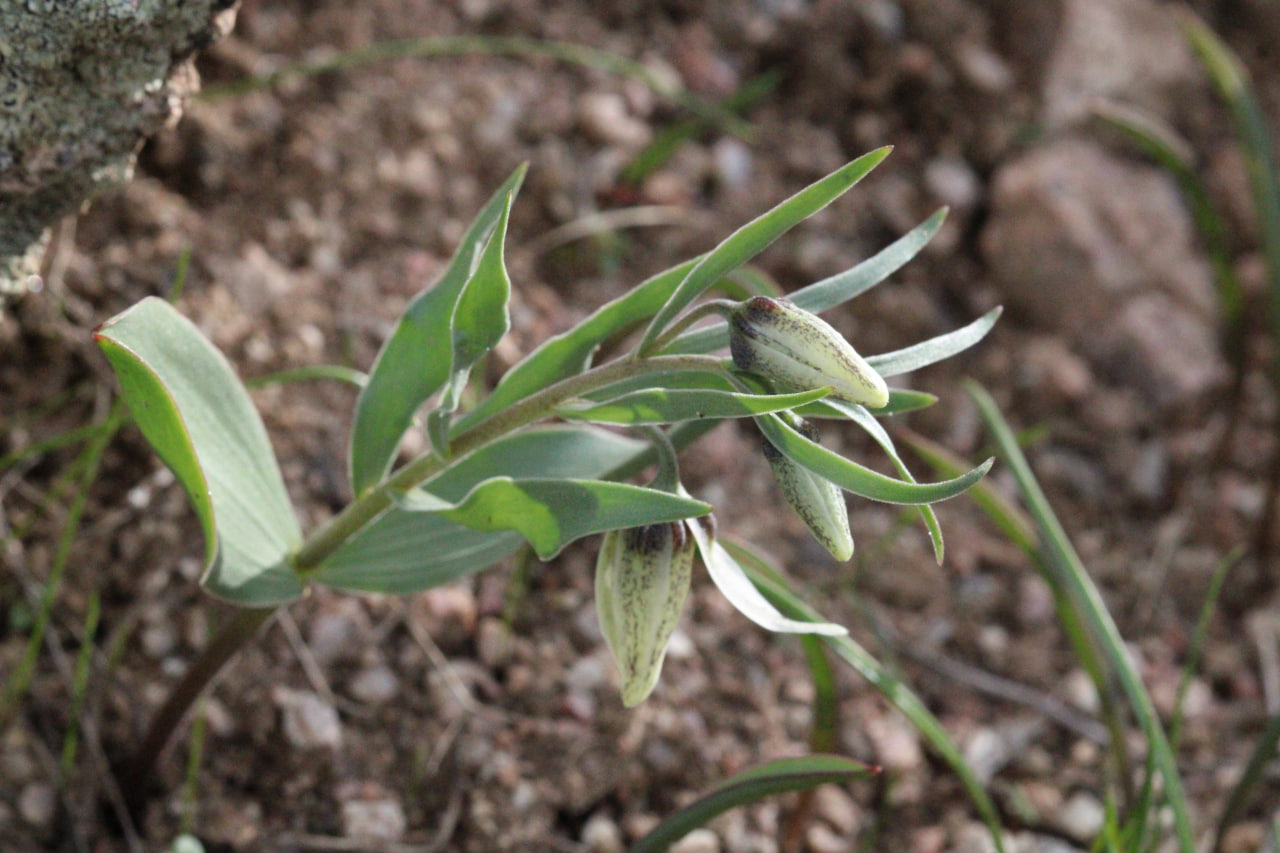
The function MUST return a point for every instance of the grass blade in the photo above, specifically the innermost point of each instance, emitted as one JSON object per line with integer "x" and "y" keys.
{"x": 1091, "y": 611}
{"x": 775, "y": 777}
{"x": 898, "y": 694}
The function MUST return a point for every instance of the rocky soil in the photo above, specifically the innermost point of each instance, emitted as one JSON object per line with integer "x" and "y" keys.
{"x": 484, "y": 716}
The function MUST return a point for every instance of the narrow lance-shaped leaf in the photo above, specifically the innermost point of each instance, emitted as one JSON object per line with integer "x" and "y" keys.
{"x": 776, "y": 777}
{"x": 480, "y": 319}
{"x": 830, "y": 292}
{"x": 551, "y": 513}
{"x": 752, "y": 238}
{"x": 661, "y": 406}
{"x": 856, "y": 478}
{"x": 569, "y": 353}
{"x": 936, "y": 349}
{"x": 193, "y": 409}
{"x": 416, "y": 359}
{"x": 901, "y": 400}
{"x": 734, "y": 585}
{"x": 867, "y": 421}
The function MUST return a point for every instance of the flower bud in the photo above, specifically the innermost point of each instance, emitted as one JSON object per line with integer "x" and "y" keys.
{"x": 799, "y": 351}
{"x": 818, "y": 501}
{"x": 642, "y": 581}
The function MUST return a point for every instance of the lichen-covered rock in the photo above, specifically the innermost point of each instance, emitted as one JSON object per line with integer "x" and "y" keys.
{"x": 81, "y": 86}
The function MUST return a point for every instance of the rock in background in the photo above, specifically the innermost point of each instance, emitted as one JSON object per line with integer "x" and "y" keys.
{"x": 81, "y": 86}
{"x": 1094, "y": 243}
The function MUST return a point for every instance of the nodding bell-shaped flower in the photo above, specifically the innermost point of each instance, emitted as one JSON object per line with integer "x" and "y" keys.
{"x": 798, "y": 351}
{"x": 818, "y": 501}
{"x": 642, "y": 581}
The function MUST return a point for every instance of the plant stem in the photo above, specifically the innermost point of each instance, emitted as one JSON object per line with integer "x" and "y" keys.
{"x": 723, "y": 307}
{"x": 530, "y": 410}
{"x": 364, "y": 509}
{"x": 226, "y": 643}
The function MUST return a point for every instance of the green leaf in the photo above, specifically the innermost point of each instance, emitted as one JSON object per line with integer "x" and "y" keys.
{"x": 675, "y": 380}
{"x": 190, "y": 405}
{"x": 780, "y": 776}
{"x": 480, "y": 320}
{"x": 416, "y": 360}
{"x": 864, "y": 419}
{"x": 569, "y": 353}
{"x": 661, "y": 406}
{"x": 735, "y": 586}
{"x": 752, "y": 238}
{"x": 830, "y": 292}
{"x": 1088, "y": 608}
{"x": 775, "y": 588}
{"x": 552, "y": 513}
{"x": 850, "y": 284}
{"x": 901, "y": 401}
{"x": 404, "y": 552}
{"x": 935, "y": 349}
{"x": 855, "y": 478}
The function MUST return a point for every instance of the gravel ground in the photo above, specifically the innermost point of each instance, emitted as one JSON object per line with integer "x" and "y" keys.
{"x": 484, "y": 715}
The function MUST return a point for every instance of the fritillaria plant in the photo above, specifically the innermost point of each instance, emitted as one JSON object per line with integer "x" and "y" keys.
{"x": 547, "y": 456}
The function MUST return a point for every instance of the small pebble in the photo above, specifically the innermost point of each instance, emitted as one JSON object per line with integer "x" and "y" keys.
{"x": 159, "y": 639}
{"x": 699, "y": 841}
{"x": 973, "y": 837}
{"x": 1081, "y": 816}
{"x": 493, "y": 642}
{"x": 338, "y": 632}
{"x": 37, "y": 804}
{"x": 838, "y": 808}
{"x": 1245, "y": 837}
{"x": 733, "y": 163}
{"x": 604, "y": 117}
{"x": 376, "y": 820}
{"x": 375, "y": 685}
{"x": 897, "y": 744}
{"x": 309, "y": 721}
{"x": 823, "y": 839}
{"x": 601, "y": 834}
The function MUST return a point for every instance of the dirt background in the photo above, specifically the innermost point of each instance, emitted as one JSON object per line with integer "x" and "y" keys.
{"x": 484, "y": 716}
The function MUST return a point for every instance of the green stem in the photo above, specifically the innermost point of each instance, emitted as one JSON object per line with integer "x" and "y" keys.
{"x": 229, "y": 640}
{"x": 723, "y": 307}
{"x": 532, "y": 409}
{"x": 327, "y": 539}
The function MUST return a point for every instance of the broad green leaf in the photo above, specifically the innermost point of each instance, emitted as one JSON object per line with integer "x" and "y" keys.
{"x": 404, "y": 552}
{"x": 480, "y": 319}
{"x": 855, "y": 478}
{"x": 569, "y": 353}
{"x": 552, "y": 513}
{"x": 830, "y": 292}
{"x": 416, "y": 359}
{"x": 776, "y": 777}
{"x": 190, "y": 405}
{"x": 661, "y": 406}
{"x": 752, "y": 238}
{"x": 901, "y": 401}
{"x": 935, "y": 349}
{"x": 775, "y": 588}
{"x": 864, "y": 419}
{"x": 734, "y": 585}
